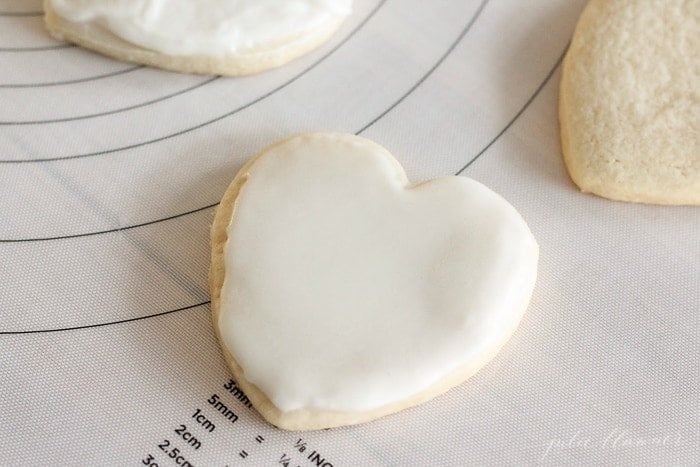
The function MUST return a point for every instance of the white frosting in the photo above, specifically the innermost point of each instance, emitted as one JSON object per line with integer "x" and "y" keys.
{"x": 205, "y": 27}
{"x": 346, "y": 289}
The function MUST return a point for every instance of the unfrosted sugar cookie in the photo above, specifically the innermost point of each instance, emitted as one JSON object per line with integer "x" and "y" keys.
{"x": 226, "y": 37}
{"x": 342, "y": 293}
{"x": 629, "y": 102}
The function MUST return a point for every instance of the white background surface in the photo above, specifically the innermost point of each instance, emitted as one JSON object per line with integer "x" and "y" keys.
{"x": 109, "y": 174}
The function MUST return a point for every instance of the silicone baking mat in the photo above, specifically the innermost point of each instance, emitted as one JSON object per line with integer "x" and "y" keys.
{"x": 109, "y": 177}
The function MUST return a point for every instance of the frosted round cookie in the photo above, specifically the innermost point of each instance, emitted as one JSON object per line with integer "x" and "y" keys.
{"x": 341, "y": 293}
{"x": 226, "y": 37}
{"x": 629, "y": 102}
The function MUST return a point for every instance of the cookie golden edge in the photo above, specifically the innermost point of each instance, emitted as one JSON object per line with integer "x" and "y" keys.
{"x": 597, "y": 181}
{"x": 102, "y": 41}
{"x": 305, "y": 420}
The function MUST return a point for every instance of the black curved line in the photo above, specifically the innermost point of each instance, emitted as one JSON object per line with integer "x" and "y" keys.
{"x": 72, "y": 81}
{"x": 115, "y": 111}
{"x": 520, "y": 112}
{"x": 118, "y": 229}
{"x": 412, "y": 89}
{"x": 510, "y": 123}
{"x": 216, "y": 119}
{"x": 36, "y": 49}
{"x": 430, "y": 71}
{"x": 17, "y": 14}
{"x": 97, "y": 325}
{"x": 418, "y": 83}
{"x": 479, "y": 154}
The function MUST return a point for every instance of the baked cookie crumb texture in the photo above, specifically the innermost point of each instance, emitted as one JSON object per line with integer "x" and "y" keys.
{"x": 629, "y": 103}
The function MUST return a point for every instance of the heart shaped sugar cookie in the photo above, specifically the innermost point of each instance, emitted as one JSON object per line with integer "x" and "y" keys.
{"x": 222, "y": 37}
{"x": 341, "y": 293}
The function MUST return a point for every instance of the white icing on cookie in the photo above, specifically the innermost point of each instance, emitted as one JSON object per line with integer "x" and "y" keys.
{"x": 205, "y": 27}
{"x": 347, "y": 289}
